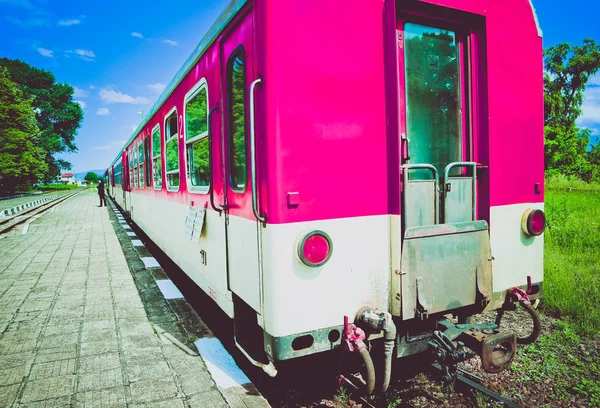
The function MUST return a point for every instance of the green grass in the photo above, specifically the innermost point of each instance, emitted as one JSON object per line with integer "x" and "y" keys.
{"x": 58, "y": 187}
{"x": 572, "y": 254}
{"x": 560, "y": 359}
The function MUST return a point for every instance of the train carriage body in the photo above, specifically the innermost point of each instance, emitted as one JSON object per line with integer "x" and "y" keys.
{"x": 310, "y": 161}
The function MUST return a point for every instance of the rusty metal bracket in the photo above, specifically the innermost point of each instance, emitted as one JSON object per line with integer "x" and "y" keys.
{"x": 481, "y": 287}
{"x": 496, "y": 349}
{"x": 423, "y": 307}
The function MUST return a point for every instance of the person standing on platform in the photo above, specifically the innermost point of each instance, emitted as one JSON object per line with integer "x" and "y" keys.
{"x": 101, "y": 192}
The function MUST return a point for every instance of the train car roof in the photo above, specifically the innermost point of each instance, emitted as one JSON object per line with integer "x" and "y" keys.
{"x": 209, "y": 38}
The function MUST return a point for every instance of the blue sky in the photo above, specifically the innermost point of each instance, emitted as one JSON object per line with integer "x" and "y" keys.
{"x": 120, "y": 54}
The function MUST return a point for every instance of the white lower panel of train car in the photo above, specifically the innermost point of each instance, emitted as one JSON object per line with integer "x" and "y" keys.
{"x": 299, "y": 298}
{"x": 516, "y": 255}
{"x": 296, "y": 297}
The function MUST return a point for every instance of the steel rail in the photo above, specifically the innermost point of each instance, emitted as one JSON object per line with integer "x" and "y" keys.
{"x": 461, "y": 378}
{"x": 32, "y": 212}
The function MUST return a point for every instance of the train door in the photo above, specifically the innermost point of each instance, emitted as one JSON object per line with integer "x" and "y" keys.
{"x": 126, "y": 178}
{"x": 438, "y": 172}
{"x": 243, "y": 229}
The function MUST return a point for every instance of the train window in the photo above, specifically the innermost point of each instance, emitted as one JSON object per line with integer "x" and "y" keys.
{"x": 236, "y": 123}
{"x": 172, "y": 151}
{"x": 148, "y": 174}
{"x": 135, "y": 167}
{"x": 196, "y": 140}
{"x": 118, "y": 175}
{"x": 156, "y": 159}
{"x": 141, "y": 159}
{"x": 130, "y": 155}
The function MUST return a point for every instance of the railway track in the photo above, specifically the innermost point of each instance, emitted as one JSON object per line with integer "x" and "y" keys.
{"x": 469, "y": 380}
{"x": 7, "y": 224}
{"x": 464, "y": 380}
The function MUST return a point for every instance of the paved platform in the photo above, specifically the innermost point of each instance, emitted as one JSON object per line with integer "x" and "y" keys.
{"x": 74, "y": 330}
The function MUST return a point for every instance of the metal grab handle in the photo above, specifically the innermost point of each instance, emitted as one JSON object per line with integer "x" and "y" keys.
{"x": 405, "y": 170}
{"x": 210, "y": 161}
{"x": 474, "y": 181}
{"x": 405, "y": 140}
{"x": 258, "y": 216}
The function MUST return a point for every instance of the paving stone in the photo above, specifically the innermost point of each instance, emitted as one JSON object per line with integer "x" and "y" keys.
{"x": 105, "y": 313}
{"x": 90, "y": 325}
{"x": 89, "y": 336}
{"x": 17, "y": 347}
{"x": 16, "y": 360}
{"x": 46, "y": 388}
{"x": 61, "y": 402}
{"x": 56, "y": 354}
{"x": 13, "y": 375}
{"x": 197, "y": 382}
{"x": 70, "y": 326}
{"x": 35, "y": 305}
{"x": 134, "y": 314}
{"x": 170, "y": 403}
{"x": 60, "y": 340}
{"x": 246, "y": 396}
{"x": 8, "y": 394}
{"x": 66, "y": 314}
{"x": 146, "y": 370}
{"x": 52, "y": 369}
{"x": 110, "y": 397}
{"x": 153, "y": 390}
{"x": 92, "y": 364}
{"x": 99, "y": 380}
{"x": 99, "y": 347}
{"x": 208, "y": 399}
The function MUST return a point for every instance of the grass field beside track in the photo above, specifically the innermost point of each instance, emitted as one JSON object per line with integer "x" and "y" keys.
{"x": 572, "y": 254}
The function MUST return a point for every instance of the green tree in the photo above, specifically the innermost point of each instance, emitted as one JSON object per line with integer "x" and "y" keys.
{"x": 568, "y": 70}
{"x": 91, "y": 177}
{"x": 21, "y": 158}
{"x": 57, "y": 114}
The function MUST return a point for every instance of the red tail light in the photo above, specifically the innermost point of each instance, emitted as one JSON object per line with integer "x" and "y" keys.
{"x": 533, "y": 222}
{"x": 315, "y": 248}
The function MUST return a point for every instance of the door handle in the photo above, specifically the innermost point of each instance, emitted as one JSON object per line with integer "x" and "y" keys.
{"x": 260, "y": 217}
{"x": 405, "y": 141}
{"x": 210, "y": 161}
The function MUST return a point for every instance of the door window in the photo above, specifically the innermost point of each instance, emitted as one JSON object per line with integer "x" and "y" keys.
{"x": 236, "y": 84}
{"x": 433, "y": 96}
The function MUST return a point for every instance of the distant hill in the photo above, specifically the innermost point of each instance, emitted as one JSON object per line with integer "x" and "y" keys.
{"x": 81, "y": 176}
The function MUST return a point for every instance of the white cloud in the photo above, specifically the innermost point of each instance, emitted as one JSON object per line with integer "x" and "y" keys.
{"x": 67, "y": 23}
{"x": 170, "y": 42}
{"x": 92, "y": 87}
{"x": 136, "y": 34}
{"x": 82, "y": 104}
{"x": 86, "y": 55}
{"x": 157, "y": 87}
{"x": 45, "y": 52}
{"x": 80, "y": 93}
{"x": 590, "y": 117}
{"x": 114, "y": 145}
{"x": 594, "y": 80}
{"x": 111, "y": 96}
{"x": 102, "y": 112}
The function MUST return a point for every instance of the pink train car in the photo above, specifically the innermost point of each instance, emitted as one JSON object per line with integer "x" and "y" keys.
{"x": 343, "y": 172}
